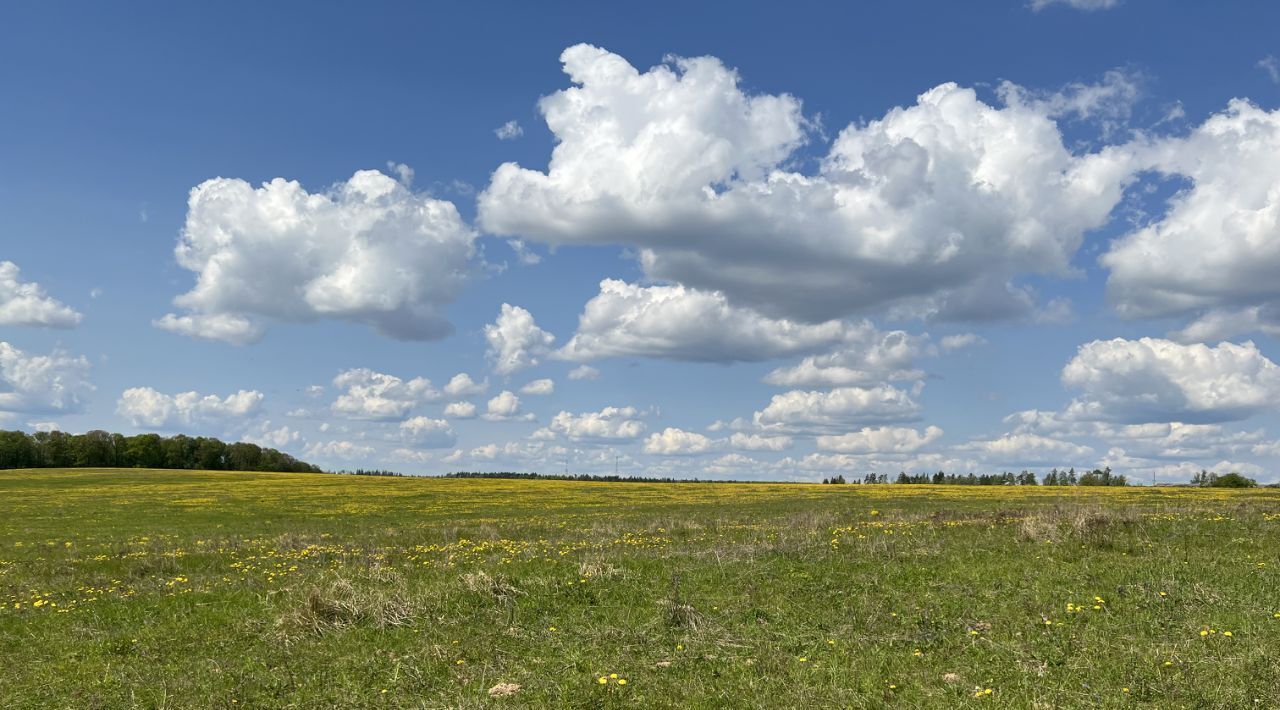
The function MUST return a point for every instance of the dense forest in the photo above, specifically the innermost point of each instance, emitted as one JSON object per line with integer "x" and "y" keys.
{"x": 100, "y": 449}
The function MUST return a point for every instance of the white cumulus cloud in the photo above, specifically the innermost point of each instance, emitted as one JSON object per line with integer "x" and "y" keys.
{"x": 880, "y": 440}
{"x": 1031, "y": 450}
{"x": 367, "y": 251}
{"x": 428, "y": 433}
{"x": 515, "y": 340}
{"x": 378, "y": 396}
{"x": 1155, "y": 380}
{"x": 42, "y": 384}
{"x": 460, "y": 410}
{"x": 838, "y": 408}
{"x": 1215, "y": 252}
{"x": 505, "y": 407}
{"x": 677, "y": 442}
{"x": 542, "y": 387}
{"x": 341, "y": 449}
{"x": 461, "y": 385}
{"x": 509, "y": 131}
{"x": 759, "y": 442}
{"x": 935, "y": 208}
{"x": 584, "y": 372}
{"x": 867, "y": 357}
{"x": 679, "y": 323}
{"x": 152, "y": 409}
{"x": 26, "y": 303}
{"x": 610, "y": 424}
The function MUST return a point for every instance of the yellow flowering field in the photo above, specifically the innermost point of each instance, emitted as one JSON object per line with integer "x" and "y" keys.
{"x": 135, "y": 588}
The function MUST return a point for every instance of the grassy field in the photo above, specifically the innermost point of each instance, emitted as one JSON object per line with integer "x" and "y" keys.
{"x": 203, "y": 589}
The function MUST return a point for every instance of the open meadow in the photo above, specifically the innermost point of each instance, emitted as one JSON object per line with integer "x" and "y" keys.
{"x": 139, "y": 588}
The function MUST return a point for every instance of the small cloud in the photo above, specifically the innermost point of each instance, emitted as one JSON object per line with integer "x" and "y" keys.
{"x": 541, "y": 387}
{"x": 509, "y": 131}
{"x": 1058, "y": 311}
{"x": 584, "y": 372}
{"x": 460, "y": 410}
{"x": 1086, "y": 5}
{"x": 963, "y": 340}
{"x": 1175, "y": 112}
{"x": 1271, "y": 67}
{"x": 95, "y": 293}
{"x": 403, "y": 172}
{"x": 527, "y": 256}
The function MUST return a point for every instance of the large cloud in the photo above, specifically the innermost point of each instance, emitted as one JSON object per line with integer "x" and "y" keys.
{"x": 42, "y": 384}
{"x": 680, "y": 323}
{"x": 367, "y": 251}
{"x": 1215, "y": 253}
{"x": 379, "y": 396}
{"x": 26, "y": 303}
{"x": 934, "y": 208}
{"x": 149, "y": 408}
{"x": 1154, "y": 380}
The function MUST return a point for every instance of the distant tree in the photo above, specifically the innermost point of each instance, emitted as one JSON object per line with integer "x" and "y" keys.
{"x": 1233, "y": 480}
{"x": 94, "y": 449}
{"x": 53, "y": 449}
{"x": 17, "y": 450}
{"x": 100, "y": 449}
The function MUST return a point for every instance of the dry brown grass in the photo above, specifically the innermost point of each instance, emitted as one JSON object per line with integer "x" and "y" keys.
{"x": 1088, "y": 525}
{"x": 496, "y": 587}
{"x": 341, "y": 604}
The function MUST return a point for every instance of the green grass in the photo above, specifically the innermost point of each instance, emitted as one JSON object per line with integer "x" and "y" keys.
{"x": 202, "y": 589}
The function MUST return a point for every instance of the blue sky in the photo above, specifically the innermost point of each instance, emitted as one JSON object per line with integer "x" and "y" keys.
{"x": 879, "y": 237}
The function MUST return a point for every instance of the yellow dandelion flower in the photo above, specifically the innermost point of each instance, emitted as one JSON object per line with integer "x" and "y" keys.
{"x": 602, "y": 680}
{"x": 622, "y": 681}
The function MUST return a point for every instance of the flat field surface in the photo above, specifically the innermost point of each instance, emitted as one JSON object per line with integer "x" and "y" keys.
{"x": 205, "y": 589}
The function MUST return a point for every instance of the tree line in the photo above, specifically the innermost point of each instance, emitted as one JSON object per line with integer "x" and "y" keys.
{"x": 583, "y": 477}
{"x": 1096, "y": 477}
{"x": 101, "y": 449}
{"x": 1209, "y": 479}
